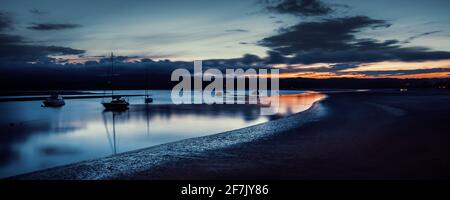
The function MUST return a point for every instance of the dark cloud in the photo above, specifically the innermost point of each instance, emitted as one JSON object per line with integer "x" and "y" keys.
{"x": 237, "y": 30}
{"x": 343, "y": 66}
{"x": 15, "y": 48}
{"x": 275, "y": 57}
{"x": 121, "y": 59}
{"x": 301, "y": 7}
{"x": 335, "y": 68}
{"x": 279, "y": 22}
{"x": 335, "y": 41}
{"x": 50, "y": 26}
{"x": 5, "y": 21}
{"x": 404, "y": 72}
{"x": 248, "y": 59}
{"x": 375, "y": 55}
{"x": 38, "y": 12}
{"x": 330, "y": 34}
{"x": 408, "y": 40}
{"x": 9, "y": 39}
{"x": 340, "y": 67}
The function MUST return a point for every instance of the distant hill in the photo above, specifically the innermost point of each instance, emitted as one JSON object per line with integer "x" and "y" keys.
{"x": 90, "y": 78}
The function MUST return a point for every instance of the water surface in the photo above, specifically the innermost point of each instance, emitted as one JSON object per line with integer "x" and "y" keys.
{"x": 34, "y": 137}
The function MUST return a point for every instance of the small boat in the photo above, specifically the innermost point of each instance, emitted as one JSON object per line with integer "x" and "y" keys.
{"x": 117, "y": 103}
{"x": 54, "y": 101}
{"x": 148, "y": 99}
{"x": 255, "y": 93}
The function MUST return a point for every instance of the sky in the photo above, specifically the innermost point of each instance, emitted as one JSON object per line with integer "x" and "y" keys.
{"x": 302, "y": 38}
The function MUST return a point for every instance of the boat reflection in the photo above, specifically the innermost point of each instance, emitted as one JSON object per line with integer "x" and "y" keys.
{"x": 111, "y": 138}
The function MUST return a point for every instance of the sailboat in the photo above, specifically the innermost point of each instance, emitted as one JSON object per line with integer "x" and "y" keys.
{"x": 54, "y": 101}
{"x": 148, "y": 99}
{"x": 117, "y": 102}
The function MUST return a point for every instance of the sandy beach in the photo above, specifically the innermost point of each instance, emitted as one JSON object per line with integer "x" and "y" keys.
{"x": 349, "y": 135}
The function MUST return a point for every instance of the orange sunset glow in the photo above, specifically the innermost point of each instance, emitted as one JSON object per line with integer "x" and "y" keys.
{"x": 386, "y": 69}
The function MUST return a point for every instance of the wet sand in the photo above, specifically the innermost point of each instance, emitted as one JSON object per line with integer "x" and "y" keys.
{"x": 362, "y": 135}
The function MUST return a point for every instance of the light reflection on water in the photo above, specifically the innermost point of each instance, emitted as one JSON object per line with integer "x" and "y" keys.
{"x": 34, "y": 138}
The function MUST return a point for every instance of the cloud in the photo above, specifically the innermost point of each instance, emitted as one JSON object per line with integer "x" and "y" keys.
{"x": 246, "y": 61}
{"x": 50, "y": 26}
{"x": 329, "y": 34}
{"x": 237, "y": 30}
{"x": 408, "y": 40}
{"x": 15, "y": 48}
{"x": 335, "y": 41}
{"x": 5, "y": 21}
{"x": 404, "y": 72}
{"x": 374, "y": 55}
{"x": 334, "y": 68}
{"x": 279, "y": 22}
{"x": 301, "y": 7}
{"x": 275, "y": 57}
{"x": 38, "y": 12}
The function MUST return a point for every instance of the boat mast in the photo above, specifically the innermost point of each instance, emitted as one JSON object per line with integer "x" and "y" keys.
{"x": 112, "y": 74}
{"x": 147, "y": 81}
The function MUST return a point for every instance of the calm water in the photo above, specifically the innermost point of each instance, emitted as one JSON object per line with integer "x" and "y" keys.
{"x": 34, "y": 137}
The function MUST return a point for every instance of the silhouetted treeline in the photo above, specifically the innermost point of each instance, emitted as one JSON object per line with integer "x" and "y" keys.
{"x": 96, "y": 78}
{"x": 353, "y": 83}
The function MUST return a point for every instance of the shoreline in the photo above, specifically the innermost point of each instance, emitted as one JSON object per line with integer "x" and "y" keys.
{"x": 375, "y": 135}
{"x": 136, "y": 161}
